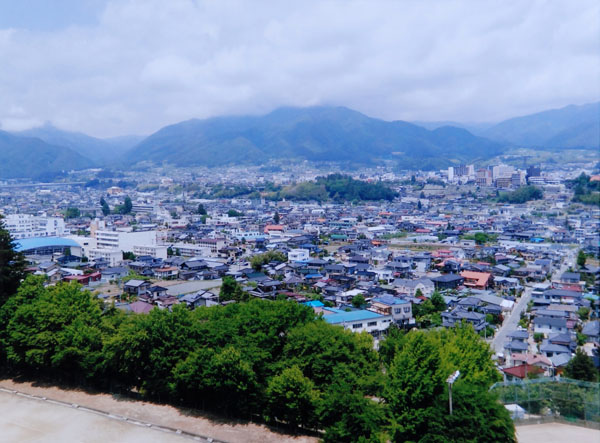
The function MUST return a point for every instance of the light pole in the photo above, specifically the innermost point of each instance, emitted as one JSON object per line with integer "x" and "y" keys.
{"x": 450, "y": 382}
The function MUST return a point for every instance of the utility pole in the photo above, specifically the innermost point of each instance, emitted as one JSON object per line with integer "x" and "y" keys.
{"x": 450, "y": 382}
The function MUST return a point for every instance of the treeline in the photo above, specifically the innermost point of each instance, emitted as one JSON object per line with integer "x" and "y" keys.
{"x": 521, "y": 195}
{"x": 339, "y": 188}
{"x": 273, "y": 361}
{"x": 585, "y": 191}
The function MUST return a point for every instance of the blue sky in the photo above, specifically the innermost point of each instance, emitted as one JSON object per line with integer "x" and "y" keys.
{"x": 116, "y": 67}
{"x": 49, "y": 15}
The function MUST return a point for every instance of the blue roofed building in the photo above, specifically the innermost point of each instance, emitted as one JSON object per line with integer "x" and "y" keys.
{"x": 48, "y": 246}
{"x": 358, "y": 320}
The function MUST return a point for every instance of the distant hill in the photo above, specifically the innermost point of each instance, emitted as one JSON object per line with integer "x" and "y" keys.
{"x": 317, "y": 133}
{"x": 33, "y": 158}
{"x": 473, "y": 128}
{"x": 568, "y": 127}
{"x": 99, "y": 150}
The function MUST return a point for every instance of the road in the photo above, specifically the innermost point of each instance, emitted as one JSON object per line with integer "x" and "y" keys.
{"x": 510, "y": 324}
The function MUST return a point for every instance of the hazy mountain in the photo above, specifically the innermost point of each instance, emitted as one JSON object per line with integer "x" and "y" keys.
{"x": 473, "y": 128}
{"x": 99, "y": 150}
{"x": 316, "y": 133}
{"x": 568, "y": 127}
{"x": 33, "y": 158}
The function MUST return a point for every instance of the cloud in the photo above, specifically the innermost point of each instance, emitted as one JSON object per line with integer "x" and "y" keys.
{"x": 144, "y": 64}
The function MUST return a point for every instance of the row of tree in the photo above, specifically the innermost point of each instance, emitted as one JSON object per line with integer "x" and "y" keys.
{"x": 272, "y": 361}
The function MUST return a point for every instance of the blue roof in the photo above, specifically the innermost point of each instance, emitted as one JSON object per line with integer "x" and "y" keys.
{"x": 314, "y": 304}
{"x": 26, "y": 244}
{"x": 351, "y": 316}
{"x": 390, "y": 300}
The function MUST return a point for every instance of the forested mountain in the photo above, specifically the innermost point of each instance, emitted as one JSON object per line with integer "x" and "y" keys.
{"x": 317, "y": 133}
{"x": 568, "y": 127}
{"x": 96, "y": 149}
{"x": 33, "y": 158}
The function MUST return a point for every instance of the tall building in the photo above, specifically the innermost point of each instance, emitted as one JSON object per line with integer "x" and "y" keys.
{"x": 484, "y": 177}
{"x": 29, "y": 226}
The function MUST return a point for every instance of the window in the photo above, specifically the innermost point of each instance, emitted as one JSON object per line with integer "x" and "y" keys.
{"x": 397, "y": 310}
{"x": 372, "y": 323}
{"x": 407, "y": 309}
{"x": 357, "y": 325}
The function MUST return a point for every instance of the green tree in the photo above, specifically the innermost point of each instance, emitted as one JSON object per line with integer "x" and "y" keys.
{"x": 581, "y": 258}
{"x": 72, "y": 213}
{"x": 234, "y": 213}
{"x": 58, "y": 329}
{"x": 276, "y": 218}
{"x": 12, "y": 265}
{"x": 358, "y": 300}
{"x": 414, "y": 388}
{"x": 438, "y": 301}
{"x": 231, "y": 290}
{"x": 128, "y": 255}
{"x": 581, "y": 367}
{"x": 201, "y": 210}
{"x": 349, "y": 416}
{"x": 259, "y": 260}
{"x": 292, "y": 398}
{"x": 128, "y": 206}
{"x": 105, "y": 207}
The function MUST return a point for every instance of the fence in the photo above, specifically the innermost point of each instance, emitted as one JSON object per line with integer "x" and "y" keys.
{"x": 546, "y": 399}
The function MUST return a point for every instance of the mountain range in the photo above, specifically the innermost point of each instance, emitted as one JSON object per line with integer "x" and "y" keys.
{"x": 321, "y": 133}
{"x": 334, "y": 134}
{"x": 100, "y": 151}
{"x": 33, "y": 158}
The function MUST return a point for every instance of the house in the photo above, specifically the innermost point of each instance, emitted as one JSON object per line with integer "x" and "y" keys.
{"x": 517, "y": 342}
{"x": 166, "y": 273}
{"x": 136, "y": 287}
{"x": 358, "y": 320}
{"x": 140, "y": 307}
{"x": 399, "y": 309}
{"x": 548, "y": 325}
{"x": 156, "y": 291}
{"x": 447, "y": 281}
{"x": 458, "y": 315}
{"x": 477, "y": 280}
{"x": 410, "y": 287}
{"x": 592, "y": 331}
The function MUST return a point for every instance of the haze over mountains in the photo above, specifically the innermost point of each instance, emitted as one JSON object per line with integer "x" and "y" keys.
{"x": 321, "y": 133}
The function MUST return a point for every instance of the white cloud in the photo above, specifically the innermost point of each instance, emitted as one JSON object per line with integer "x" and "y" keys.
{"x": 145, "y": 64}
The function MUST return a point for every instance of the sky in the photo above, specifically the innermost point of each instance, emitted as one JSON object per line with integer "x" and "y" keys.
{"x": 110, "y": 68}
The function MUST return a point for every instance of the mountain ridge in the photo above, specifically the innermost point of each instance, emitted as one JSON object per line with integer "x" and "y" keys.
{"x": 320, "y": 133}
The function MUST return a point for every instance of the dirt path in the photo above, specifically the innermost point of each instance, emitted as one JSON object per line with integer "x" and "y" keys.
{"x": 162, "y": 415}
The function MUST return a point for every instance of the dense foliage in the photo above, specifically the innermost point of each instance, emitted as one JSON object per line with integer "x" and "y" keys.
{"x": 522, "y": 195}
{"x": 12, "y": 265}
{"x": 259, "y": 260}
{"x": 338, "y": 187}
{"x": 585, "y": 191}
{"x": 265, "y": 360}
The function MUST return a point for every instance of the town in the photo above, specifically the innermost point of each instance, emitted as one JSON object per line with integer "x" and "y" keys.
{"x": 464, "y": 244}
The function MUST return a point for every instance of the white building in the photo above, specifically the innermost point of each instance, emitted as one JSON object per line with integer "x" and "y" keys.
{"x": 298, "y": 255}
{"x": 359, "y": 321}
{"x": 152, "y": 250}
{"x": 29, "y": 226}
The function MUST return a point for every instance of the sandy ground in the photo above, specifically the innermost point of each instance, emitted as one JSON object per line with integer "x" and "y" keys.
{"x": 162, "y": 415}
{"x": 556, "y": 433}
{"x": 26, "y": 420}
